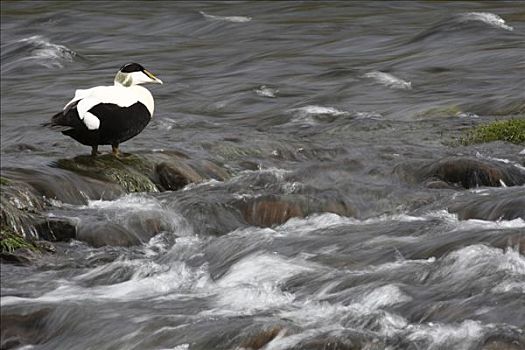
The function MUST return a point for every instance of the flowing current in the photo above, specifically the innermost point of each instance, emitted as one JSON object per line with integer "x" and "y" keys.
{"x": 312, "y": 109}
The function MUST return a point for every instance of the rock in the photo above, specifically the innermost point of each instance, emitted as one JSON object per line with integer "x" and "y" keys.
{"x": 464, "y": 172}
{"x": 172, "y": 177}
{"x": 65, "y": 186}
{"x": 507, "y": 205}
{"x": 134, "y": 229}
{"x": 507, "y": 341}
{"x": 129, "y": 171}
{"x": 15, "y": 247}
{"x": 19, "y": 256}
{"x": 145, "y": 172}
{"x": 20, "y": 208}
{"x": 263, "y": 337}
{"x": 270, "y": 210}
{"x": 28, "y": 193}
{"x": 57, "y": 229}
{"x": 349, "y": 341}
{"x": 102, "y": 234}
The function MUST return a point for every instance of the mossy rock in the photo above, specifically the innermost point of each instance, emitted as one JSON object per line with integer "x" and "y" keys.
{"x": 20, "y": 207}
{"x": 440, "y": 112}
{"x": 11, "y": 241}
{"x": 148, "y": 172}
{"x": 512, "y": 130}
{"x": 461, "y": 172}
{"x": 232, "y": 151}
{"x": 4, "y": 181}
{"x": 131, "y": 172}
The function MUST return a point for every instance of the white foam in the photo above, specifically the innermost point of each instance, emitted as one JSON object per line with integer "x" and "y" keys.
{"x": 314, "y": 313}
{"x": 318, "y": 110}
{"x": 235, "y": 19}
{"x": 248, "y": 299}
{"x": 501, "y": 160}
{"x": 487, "y": 17}
{"x": 253, "y": 283}
{"x": 265, "y": 91}
{"x": 368, "y": 115}
{"x": 126, "y": 209}
{"x": 128, "y": 202}
{"x": 509, "y": 286}
{"x": 318, "y": 313}
{"x": 259, "y": 269}
{"x": 436, "y": 336}
{"x": 466, "y": 115}
{"x": 381, "y": 297}
{"x": 178, "y": 279}
{"x": 47, "y": 53}
{"x": 389, "y": 80}
{"x": 283, "y": 341}
{"x": 476, "y": 260}
{"x": 303, "y": 226}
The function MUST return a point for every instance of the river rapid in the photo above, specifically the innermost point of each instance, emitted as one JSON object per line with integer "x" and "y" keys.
{"x": 325, "y": 232}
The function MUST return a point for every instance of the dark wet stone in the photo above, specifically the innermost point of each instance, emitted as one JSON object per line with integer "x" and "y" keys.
{"x": 350, "y": 341}
{"x": 20, "y": 329}
{"x": 503, "y": 345}
{"x": 172, "y": 177}
{"x": 19, "y": 256}
{"x": 262, "y": 337}
{"x": 505, "y": 341}
{"x": 128, "y": 171}
{"x": 270, "y": 210}
{"x": 57, "y": 229}
{"x": 145, "y": 172}
{"x": 62, "y": 185}
{"x": 20, "y": 207}
{"x": 102, "y": 234}
{"x": 45, "y": 246}
{"x": 507, "y": 205}
{"x": 464, "y": 172}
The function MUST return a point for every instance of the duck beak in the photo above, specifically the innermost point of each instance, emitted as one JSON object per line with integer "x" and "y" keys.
{"x": 153, "y": 78}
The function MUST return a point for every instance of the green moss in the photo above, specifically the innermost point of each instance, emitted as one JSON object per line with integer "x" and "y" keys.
{"x": 10, "y": 241}
{"x": 512, "y": 130}
{"x": 128, "y": 171}
{"x": 442, "y": 111}
{"x": 4, "y": 181}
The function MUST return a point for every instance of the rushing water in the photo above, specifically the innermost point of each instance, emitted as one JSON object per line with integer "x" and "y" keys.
{"x": 315, "y": 99}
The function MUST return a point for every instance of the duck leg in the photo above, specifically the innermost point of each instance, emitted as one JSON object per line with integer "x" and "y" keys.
{"x": 115, "y": 150}
{"x": 94, "y": 151}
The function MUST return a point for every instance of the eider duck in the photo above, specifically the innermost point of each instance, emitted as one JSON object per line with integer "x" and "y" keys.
{"x": 109, "y": 115}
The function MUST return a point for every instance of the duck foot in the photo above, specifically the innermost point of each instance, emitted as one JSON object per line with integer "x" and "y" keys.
{"x": 94, "y": 151}
{"x": 115, "y": 150}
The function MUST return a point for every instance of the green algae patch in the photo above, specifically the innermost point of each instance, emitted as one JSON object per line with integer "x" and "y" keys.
{"x": 4, "y": 181}
{"x": 129, "y": 171}
{"x": 10, "y": 241}
{"x": 512, "y": 130}
{"x": 440, "y": 112}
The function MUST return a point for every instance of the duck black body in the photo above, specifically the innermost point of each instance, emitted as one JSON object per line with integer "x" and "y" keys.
{"x": 109, "y": 115}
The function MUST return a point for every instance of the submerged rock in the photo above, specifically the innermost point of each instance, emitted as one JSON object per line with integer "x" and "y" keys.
{"x": 259, "y": 339}
{"x": 270, "y": 210}
{"x": 507, "y": 205}
{"x": 464, "y": 172}
{"x": 49, "y": 183}
{"x": 112, "y": 234}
